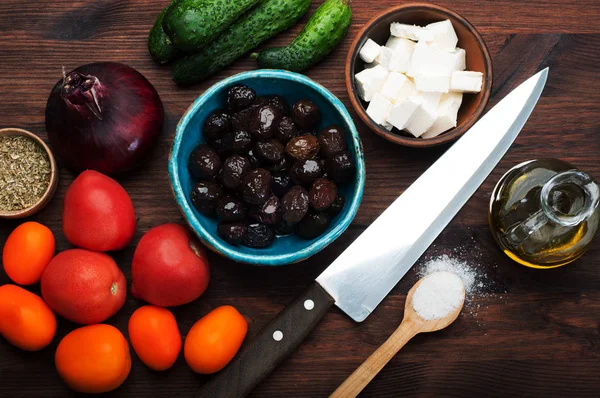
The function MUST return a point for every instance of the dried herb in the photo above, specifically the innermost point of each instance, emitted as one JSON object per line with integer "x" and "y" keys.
{"x": 24, "y": 172}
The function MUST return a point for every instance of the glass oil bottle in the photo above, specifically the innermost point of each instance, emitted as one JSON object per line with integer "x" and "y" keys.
{"x": 545, "y": 213}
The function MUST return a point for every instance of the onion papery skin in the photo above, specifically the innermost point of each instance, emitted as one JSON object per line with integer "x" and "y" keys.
{"x": 113, "y": 130}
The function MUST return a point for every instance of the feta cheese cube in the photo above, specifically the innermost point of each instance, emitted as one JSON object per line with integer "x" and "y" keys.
{"x": 396, "y": 43}
{"x": 429, "y": 59}
{"x": 397, "y": 86}
{"x": 460, "y": 59}
{"x": 412, "y": 32}
{"x": 403, "y": 111}
{"x": 379, "y": 109}
{"x": 370, "y": 81}
{"x": 402, "y": 50}
{"x": 369, "y": 51}
{"x": 432, "y": 98}
{"x": 436, "y": 83}
{"x": 447, "y": 115}
{"x": 466, "y": 82}
{"x": 385, "y": 57}
{"x": 423, "y": 118}
{"x": 443, "y": 35}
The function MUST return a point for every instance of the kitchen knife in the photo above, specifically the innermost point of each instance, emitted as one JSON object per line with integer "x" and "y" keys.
{"x": 359, "y": 279}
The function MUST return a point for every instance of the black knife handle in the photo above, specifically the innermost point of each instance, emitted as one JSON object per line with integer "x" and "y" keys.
{"x": 271, "y": 346}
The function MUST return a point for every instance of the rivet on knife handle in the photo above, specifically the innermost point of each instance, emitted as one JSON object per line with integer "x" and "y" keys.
{"x": 271, "y": 346}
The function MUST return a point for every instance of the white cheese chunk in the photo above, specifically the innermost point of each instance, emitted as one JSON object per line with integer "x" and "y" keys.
{"x": 379, "y": 109}
{"x": 443, "y": 35}
{"x": 385, "y": 57}
{"x": 398, "y": 43}
{"x": 436, "y": 83}
{"x": 447, "y": 115}
{"x": 402, "y": 50}
{"x": 397, "y": 86}
{"x": 412, "y": 32}
{"x": 460, "y": 59}
{"x": 432, "y": 98}
{"x": 369, "y": 51}
{"x": 423, "y": 118}
{"x": 466, "y": 82}
{"x": 402, "y": 112}
{"x": 429, "y": 59}
{"x": 370, "y": 81}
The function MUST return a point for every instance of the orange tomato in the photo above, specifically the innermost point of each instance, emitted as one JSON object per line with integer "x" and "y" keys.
{"x": 93, "y": 359}
{"x": 155, "y": 337}
{"x": 214, "y": 340}
{"x": 26, "y": 321}
{"x": 27, "y": 252}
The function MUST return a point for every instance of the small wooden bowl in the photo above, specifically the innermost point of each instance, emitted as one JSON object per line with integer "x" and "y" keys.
{"x": 47, "y": 196}
{"x": 478, "y": 59}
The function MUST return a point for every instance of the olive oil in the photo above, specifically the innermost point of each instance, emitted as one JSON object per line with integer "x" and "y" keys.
{"x": 545, "y": 213}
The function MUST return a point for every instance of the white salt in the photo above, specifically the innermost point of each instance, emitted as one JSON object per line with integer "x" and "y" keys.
{"x": 438, "y": 295}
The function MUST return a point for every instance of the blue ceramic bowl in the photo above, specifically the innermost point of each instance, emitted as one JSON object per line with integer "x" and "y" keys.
{"x": 293, "y": 87}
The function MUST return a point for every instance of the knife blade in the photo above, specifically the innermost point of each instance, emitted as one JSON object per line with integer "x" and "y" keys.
{"x": 360, "y": 278}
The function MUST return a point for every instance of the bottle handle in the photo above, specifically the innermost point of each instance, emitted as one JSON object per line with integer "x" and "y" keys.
{"x": 548, "y": 213}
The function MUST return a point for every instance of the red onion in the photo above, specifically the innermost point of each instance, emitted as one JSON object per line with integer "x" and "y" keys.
{"x": 103, "y": 116}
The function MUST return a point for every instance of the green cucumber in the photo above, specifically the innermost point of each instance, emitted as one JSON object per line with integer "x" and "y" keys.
{"x": 266, "y": 20}
{"x": 160, "y": 45}
{"x": 193, "y": 24}
{"x": 323, "y": 32}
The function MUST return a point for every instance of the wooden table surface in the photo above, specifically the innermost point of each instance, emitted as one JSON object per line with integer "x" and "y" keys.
{"x": 535, "y": 333}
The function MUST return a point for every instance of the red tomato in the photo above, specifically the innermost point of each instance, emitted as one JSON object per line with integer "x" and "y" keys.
{"x": 169, "y": 267}
{"x": 98, "y": 213}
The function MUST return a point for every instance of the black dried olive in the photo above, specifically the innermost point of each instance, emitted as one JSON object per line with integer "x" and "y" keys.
{"x": 271, "y": 151}
{"x": 230, "y": 209}
{"x": 306, "y": 115}
{"x": 294, "y": 205}
{"x": 269, "y": 212}
{"x": 264, "y": 121}
{"x": 205, "y": 196}
{"x": 254, "y": 160}
{"x": 232, "y": 233}
{"x": 281, "y": 183}
{"x": 284, "y": 228}
{"x": 234, "y": 169}
{"x": 332, "y": 141}
{"x": 283, "y": 165}
{"x": 241, "y": 119}
{"x": 305, "y": 172}
{"x": 340, "y": 167}
{"x": 240, "y": 97}
{"x": 238, "y": 141}
{"x": 286, "y": 130}
{"x": 303, "y": 147}
{"x": 204, "y": 163}
{"x": 217, "y": 124}
{"x": 257, "y": 186}
{"x": 322, "y": 194}
{"x": 261, "y": 101}
{"x": 337, "y": 206}
{"x": 280, "y": 103}
{"x": 313, "y": 225}
{"x": 258, "y": 236}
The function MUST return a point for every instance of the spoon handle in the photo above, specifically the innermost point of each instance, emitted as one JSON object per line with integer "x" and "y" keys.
{"x": 363, "y": 375}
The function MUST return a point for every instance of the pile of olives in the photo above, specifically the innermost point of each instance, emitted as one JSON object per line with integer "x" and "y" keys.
{"x": 264, "y": 172}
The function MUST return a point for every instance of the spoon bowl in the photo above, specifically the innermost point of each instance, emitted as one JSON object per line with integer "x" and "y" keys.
{"x": 433, "y": 325}
{"x": 411, "y": 325}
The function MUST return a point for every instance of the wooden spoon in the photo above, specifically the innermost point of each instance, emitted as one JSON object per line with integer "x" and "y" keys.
{"x": 411, "y": 325}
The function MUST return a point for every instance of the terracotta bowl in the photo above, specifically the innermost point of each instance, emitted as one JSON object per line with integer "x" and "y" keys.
{"x": 478, "y": 59}
{"x": 47, "y": 196}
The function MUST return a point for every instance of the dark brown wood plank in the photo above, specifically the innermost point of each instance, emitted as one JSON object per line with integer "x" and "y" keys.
{"x": 535, "y": 333}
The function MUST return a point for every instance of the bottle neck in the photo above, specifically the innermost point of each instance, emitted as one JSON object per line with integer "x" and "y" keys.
{"x": 570, "y": 197}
